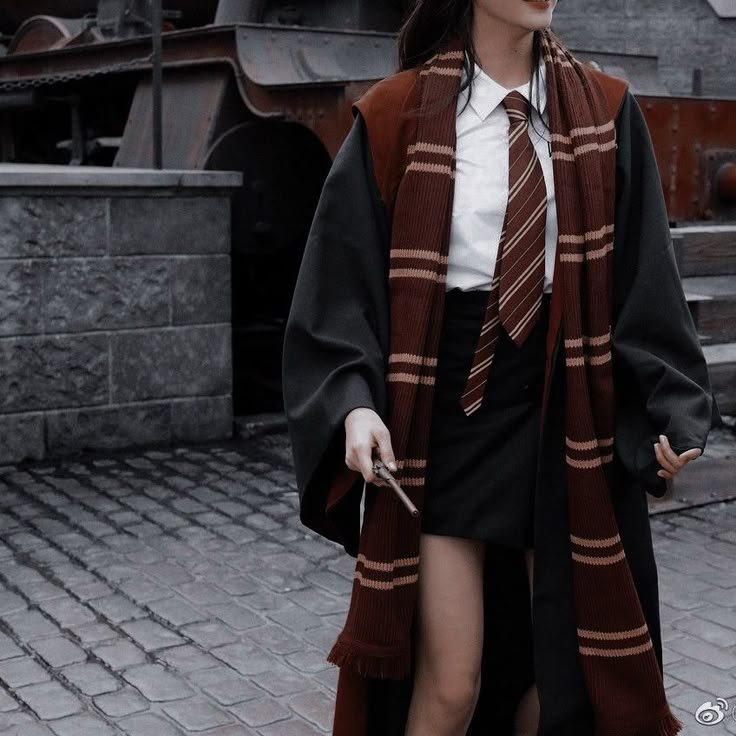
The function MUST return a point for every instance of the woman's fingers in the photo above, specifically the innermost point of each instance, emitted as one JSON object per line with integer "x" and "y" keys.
{"x": 365, "y": 465}
{"x": 365, "y": 436}
{"x": 358, "y": 458}
{"x": 664, "y": 460}
{"x": 668, "y": 451}
{"x": 361, "y": 437}
{"x": 383, "y": 437}
{"x": 670, "y": 461}
{"x": 365, "y": 461}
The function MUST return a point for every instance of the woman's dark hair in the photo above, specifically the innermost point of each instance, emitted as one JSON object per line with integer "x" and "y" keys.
{"x": 430, "y": 22}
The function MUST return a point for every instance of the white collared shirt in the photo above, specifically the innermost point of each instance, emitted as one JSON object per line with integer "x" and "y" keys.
{"x": 481, "y": 181}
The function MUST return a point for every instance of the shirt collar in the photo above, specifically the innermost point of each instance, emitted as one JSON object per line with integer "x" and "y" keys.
{"x": 487, "y": 93}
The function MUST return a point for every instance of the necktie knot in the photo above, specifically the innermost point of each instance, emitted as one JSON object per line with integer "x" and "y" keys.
{"x": 517, "y": 107}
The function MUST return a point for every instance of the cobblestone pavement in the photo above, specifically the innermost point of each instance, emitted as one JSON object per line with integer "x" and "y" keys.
{"x": 174, "y": 591}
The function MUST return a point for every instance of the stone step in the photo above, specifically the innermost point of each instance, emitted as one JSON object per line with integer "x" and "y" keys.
{"x": 712, "y": 301}
{"x": 705, "y": 250}
{"x": 721, "y": 360}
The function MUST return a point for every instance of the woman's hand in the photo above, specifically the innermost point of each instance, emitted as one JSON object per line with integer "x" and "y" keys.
{"x": 670, "y": 461}
{"x": 364, "y": 430}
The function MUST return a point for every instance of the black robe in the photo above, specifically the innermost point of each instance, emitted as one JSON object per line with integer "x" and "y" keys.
{"x": 334, "y": 360}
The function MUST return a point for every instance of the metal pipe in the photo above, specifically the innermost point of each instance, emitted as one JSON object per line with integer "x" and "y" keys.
{"x": 157, "y": 85}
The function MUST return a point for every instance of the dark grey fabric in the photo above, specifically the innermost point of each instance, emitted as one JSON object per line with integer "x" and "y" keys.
{"x": 336, "y": 337}
{"x": 660, "y": 374}
{"x": 335, "y": 351}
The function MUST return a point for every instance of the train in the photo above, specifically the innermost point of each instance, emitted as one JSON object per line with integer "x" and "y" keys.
{"x": 265, "y": 87}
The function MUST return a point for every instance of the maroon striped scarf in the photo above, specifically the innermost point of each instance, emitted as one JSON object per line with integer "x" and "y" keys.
{"x": 616, "y": 652}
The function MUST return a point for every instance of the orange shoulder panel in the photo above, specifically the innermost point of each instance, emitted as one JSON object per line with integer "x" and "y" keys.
{"x": 614, "y": 87}
{"x": 386, "y": 108}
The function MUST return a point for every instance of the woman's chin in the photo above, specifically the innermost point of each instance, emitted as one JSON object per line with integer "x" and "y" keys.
{"x": 538, "y": 13}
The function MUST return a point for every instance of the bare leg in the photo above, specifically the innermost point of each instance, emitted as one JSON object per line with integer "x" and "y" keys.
{"x": 449, "y": 640}
{"x": 526, "y": 721}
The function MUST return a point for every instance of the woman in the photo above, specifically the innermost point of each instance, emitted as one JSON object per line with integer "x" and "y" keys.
{"x": 419, "y": 335}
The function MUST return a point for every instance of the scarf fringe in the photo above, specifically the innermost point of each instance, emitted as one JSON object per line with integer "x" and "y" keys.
{"x": 667, "y": 726}
{"x": 664, "y": 725}
{"x": 368, "y": 661}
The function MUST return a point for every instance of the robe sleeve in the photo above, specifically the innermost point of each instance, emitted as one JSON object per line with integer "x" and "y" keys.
{"x": 336, "y": 339}
{"x": 660, "y": 374}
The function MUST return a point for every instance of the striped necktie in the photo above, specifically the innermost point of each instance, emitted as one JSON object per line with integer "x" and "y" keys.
{"x": 518, "y": 281}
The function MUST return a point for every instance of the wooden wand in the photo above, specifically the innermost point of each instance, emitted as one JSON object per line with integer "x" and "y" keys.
{"x": 383, "y": 472}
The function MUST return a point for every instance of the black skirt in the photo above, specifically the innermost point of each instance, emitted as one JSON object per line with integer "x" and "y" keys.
{"x": 481, "y": 469}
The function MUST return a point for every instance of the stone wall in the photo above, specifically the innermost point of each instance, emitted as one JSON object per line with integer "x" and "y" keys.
{"x": 115, "y": 325}
{"x": 683, "y": 33}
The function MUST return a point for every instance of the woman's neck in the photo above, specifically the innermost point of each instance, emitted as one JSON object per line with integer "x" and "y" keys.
{"x": 504, "y": 52}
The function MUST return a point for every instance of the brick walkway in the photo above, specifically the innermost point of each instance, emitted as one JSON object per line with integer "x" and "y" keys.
{"x": 175, "y": 592}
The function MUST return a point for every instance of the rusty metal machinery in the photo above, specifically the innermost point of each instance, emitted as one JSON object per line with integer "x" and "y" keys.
{"x": 265, "y": 87}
